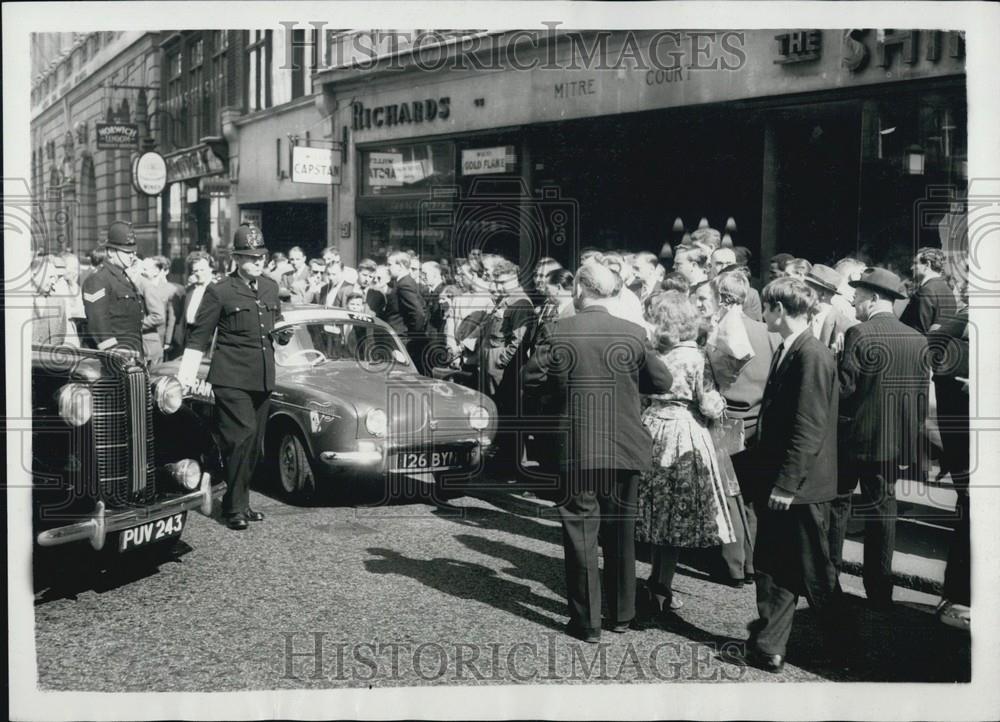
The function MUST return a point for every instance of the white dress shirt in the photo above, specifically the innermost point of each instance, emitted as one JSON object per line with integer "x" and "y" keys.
{"x": 197, "y": 293}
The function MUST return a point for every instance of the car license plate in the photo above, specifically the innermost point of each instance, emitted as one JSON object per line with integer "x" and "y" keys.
{"x": 151, "y": 532}
{"x": 430, "y": 460}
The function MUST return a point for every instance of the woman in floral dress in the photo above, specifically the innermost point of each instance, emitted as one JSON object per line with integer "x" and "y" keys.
{"x": 682, "y": 501}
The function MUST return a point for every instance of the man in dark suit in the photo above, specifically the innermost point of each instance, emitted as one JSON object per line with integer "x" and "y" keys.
{"x": 596, "y": 360}
{"x": 933, "y": 300}
{"x": 950, "y": 354}
{"x": 884, "y": 388}
{"x": 244, "y": 307}
{"x": 405, "y": 309}
{"x": 374, "y": 298}
{"x": 334, "y": 292}
{"x": 797, "y": 453}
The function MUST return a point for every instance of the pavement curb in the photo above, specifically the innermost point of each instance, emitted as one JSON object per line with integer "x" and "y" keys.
{"x": 928, "y": 581}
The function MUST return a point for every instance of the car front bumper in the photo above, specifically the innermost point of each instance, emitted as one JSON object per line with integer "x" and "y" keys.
{"x": 96, "y": 528}
{"x": 374, "y": 459}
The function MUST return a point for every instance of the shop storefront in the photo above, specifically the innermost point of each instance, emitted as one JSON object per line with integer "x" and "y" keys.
{"x": 290, "y": 207}
{"x": 197, "y": 208}
{"x": 818, "y": 143}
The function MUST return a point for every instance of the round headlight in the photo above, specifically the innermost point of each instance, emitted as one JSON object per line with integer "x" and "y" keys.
{"x": 169, "y": 394}
{"x": 376, "y": 422}
{"x": 76, "y": 404}
{"x": 479, "y": 417}
{"x": 186, "y": 472}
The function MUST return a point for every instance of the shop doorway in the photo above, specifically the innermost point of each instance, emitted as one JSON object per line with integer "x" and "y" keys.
{"x": 817, "y": 167}
{"x": 300, "y": 224}
{"x": 633, "y": 175}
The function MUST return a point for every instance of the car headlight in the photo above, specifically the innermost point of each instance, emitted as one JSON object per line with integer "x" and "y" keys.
{"x": 479, "y": 417}
{"x": 76, "y": 404}
{"x": 186, "y": 472}
{"x": 376, "y": 422}
{"x": 169, "y": 394}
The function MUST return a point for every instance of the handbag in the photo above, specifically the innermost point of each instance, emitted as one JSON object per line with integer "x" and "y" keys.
{"x": 728, "y": 435}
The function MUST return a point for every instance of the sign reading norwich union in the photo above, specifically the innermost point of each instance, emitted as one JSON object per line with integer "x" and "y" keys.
{"x": 117, "y": 136}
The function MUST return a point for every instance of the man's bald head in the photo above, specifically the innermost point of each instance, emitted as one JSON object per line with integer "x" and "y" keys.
{"x": 721, "y": 259}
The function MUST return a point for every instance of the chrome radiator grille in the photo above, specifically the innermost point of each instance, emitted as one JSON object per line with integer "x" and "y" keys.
{"x": 123, "y": 437}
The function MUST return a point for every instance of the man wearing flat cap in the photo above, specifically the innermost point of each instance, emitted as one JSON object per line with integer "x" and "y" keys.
{"x": 884, "y": 386}
{"x": 244, "y": 308}
{"x": 828, "y": 324}
{"x": 111, "y": 301}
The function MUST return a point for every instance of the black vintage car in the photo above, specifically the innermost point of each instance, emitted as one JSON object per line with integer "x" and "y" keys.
{"x": 118, "y": 459}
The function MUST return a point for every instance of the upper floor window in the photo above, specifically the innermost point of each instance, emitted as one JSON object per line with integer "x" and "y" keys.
{"x": 197, "y": 53}
{"x": 258, "y": 78}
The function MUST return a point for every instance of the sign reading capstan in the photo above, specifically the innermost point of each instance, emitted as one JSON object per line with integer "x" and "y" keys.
{"x": 315, "y": 165}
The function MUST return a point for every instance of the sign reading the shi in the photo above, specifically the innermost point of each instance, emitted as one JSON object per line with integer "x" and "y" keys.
{"x": 480, "y": 161}
{"x": 315, "y": 165}
{"x": 389, "y": 169}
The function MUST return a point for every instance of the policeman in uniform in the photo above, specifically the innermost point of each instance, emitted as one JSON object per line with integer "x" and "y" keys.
{"x": 244, "y": 307}
{"x": 113, "y": 305}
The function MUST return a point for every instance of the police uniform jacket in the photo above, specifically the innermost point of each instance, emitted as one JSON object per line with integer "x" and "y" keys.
{"x": 114, "y": 309}
{"x": 244, "y": 351}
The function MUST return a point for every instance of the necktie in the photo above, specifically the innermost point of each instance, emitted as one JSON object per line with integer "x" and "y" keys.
{"x": 776, "y": 361}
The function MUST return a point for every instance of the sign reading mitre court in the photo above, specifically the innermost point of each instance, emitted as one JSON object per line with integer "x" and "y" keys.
{"x": 315, "y": 165}
{"x": 149, "y": 173}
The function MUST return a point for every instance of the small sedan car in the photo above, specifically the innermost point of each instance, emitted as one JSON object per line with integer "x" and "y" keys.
{"x": 349, "y": 408}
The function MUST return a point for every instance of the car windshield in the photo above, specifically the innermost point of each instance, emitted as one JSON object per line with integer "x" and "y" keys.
{"x": 340, "y": 340}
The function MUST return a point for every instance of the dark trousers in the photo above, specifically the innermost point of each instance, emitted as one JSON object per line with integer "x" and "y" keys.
{"x": 240, "y": 416}
{"x": 600, "y": 504}
{"x": 840, "y": 517}
{"x": 737, "y": 556}
{"x": 953, "y": 421}
{"x": 792, "y": 559}
{"x": 878, "y": 510}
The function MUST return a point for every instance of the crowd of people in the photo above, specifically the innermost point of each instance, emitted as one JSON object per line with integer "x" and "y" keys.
{"x": 677, "y": 400}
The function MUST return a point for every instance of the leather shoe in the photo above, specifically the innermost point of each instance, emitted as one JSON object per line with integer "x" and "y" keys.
{"x": 620, "y": 628}
{"x": 590, "y": 636}
{"x": 252, "y": 515}
{"x": 768, "y": 662}
{"x": 237, "y": 522}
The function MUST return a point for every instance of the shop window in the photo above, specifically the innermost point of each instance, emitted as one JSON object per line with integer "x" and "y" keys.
{"x": 402, "y": 169}
{"x": 381, "y": 235}
{"x": 914, "y": 174}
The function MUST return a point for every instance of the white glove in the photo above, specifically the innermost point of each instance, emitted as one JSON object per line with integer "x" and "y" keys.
{"x": 190, "y": 362}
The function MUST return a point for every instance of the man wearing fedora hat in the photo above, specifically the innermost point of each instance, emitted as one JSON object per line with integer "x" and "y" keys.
{"x": 112, "y": 303}
{"x": 244, "y": 307}
{"x": 884, "y": 386}
{"x": 828, "y": 324}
